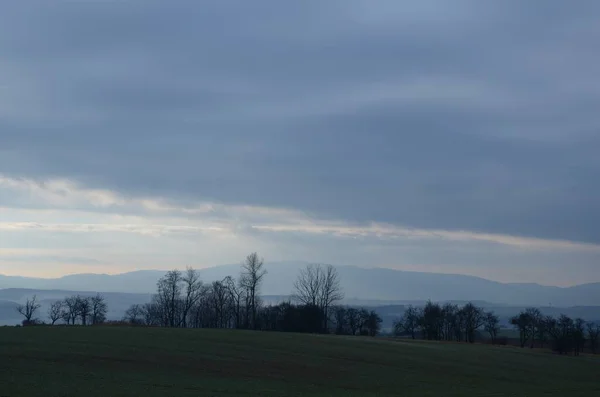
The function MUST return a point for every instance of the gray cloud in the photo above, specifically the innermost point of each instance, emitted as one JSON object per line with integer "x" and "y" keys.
{"x": 473, "y": 115}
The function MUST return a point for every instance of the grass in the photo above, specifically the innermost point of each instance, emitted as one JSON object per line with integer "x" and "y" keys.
{"x": 105, "y": 361}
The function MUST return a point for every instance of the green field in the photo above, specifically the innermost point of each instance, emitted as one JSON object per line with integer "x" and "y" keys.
{"x": 104, "y": 361}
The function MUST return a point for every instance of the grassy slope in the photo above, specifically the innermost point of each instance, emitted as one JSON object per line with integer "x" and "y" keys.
{"x": 151, "y": 362}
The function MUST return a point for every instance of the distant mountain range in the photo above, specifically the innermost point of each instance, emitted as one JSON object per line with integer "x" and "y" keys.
{"x": 376, "y": 285}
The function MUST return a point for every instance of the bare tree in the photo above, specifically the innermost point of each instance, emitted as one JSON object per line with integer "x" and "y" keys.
{"x": 492, "y": 325}
{"x": 331, "y": 291}
{"x": 409, "y": 323}
{"x": 55, "y": 312}
{"x": 319, "y": 286}
{"x": 373, "y": 323}
{"x": 561, "y": 330}
{"x": 536, "y": 319}
{"x": 353, "y": 320}
{"x": 99, "y": 308}
{"x": 70, "y": 309}
{"x": 29, "y": 309}
{"x": 219, "y": 298}
{"x": 308, "y": 285}
{"x": 134, "y": 315}
{"x": 473, "y": 320}
{"x": 84, "y": 309}
{"x": 431, "y": 321}
{"x": 236, "y": 297}
{"x": 169, "y": 295}
{"x": 192, "y": 286}
{"x": 152, "y": 314}
{"x": 251, "y": 279}
{"x": 542, "y": 329}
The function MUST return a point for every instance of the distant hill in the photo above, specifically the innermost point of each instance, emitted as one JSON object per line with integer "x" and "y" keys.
{"x": 378, "y": 285}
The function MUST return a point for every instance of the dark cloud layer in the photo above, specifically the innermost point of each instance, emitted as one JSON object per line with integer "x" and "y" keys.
{"x": 472, "y": 115}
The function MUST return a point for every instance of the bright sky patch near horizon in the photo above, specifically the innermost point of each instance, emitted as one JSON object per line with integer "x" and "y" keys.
{"x": 455, "y": 137}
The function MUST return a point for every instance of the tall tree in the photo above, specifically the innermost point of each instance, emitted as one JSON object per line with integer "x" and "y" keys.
{"x": 331, "y": 292}
{"x": 252, "y": 276}
{"x": 237, "y": 294}
{"x": 192, "y": 286}
{"x": 29, "y": 309}
{"x": 219, "y": 295}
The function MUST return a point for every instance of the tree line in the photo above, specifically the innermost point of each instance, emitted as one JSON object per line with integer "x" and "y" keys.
{"x": 183, "y": 300}
{"x": 76, "y": 309}
{"x": 450, "y": 322}
{"x": 564, "y": 334}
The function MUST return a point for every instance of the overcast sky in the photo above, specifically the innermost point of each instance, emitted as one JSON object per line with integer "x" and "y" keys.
{"x": 441, "y": 136}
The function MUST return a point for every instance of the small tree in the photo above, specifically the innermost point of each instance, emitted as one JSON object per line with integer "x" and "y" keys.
{"x": 55, "y": 312}
{"x": 28, "y": 310}
{"x": 134, "y": 315}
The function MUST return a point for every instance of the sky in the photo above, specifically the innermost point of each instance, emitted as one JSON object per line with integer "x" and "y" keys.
{"x": 455, "y": 137}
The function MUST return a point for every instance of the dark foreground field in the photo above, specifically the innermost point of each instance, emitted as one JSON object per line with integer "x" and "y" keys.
{"x": 103, "y": 361}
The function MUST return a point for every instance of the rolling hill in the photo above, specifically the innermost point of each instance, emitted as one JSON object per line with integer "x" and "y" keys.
{"x": 119, "y": 361}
